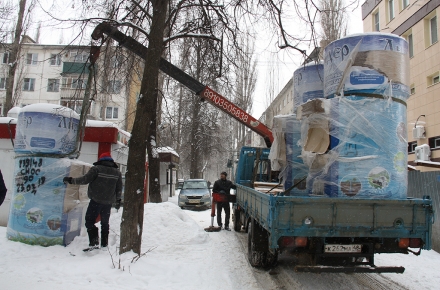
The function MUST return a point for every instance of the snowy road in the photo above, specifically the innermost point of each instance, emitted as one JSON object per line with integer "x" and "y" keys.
{"x": 283, "y": 275}
{"x": 178, "y": 254}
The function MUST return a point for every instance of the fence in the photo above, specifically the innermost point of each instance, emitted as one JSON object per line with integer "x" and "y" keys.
{"x": 427, "y": 183}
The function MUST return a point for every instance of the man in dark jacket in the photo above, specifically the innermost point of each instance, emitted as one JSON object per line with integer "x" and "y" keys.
{"x": 2, "y": 188}
{"x": 105, "y": 186}
{"x": 223, "y": 186}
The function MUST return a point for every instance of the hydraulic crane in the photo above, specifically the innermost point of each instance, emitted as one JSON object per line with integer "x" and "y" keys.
{"x": 191, "y": 83}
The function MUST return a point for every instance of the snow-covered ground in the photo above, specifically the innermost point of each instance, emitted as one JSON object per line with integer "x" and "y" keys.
{"x": 178, "y": 254}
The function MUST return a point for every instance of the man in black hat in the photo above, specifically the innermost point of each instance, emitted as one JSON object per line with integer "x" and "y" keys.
{"x": 223, "y": 186}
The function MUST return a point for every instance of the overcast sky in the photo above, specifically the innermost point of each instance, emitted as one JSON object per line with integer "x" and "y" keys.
{"x": 275, "y": 67}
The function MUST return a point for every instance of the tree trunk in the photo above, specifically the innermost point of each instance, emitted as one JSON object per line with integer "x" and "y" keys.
{"x": 195, "y": 126}
{"x": 143, "y": 134}
{"x": 13, "y": 57}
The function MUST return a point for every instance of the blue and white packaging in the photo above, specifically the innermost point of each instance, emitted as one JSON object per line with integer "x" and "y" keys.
{"x": 370, "y": 146}
{"x": 46, "y": 129}
{"x": 368, "y": 63}
{"x": 308, "y": 83}
{"x": 45, "y": 211}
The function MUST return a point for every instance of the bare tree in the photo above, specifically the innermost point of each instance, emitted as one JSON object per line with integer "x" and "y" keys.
{"x": 14, "y": 53}
{"x": 161, "y": 24}
{"x": 333, "y": 20}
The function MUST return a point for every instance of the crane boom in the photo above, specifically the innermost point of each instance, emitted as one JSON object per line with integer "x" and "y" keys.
{"x": 188, "y": 81}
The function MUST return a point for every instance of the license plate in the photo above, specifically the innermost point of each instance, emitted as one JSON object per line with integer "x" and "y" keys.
{"x": 343, "y": 248}
{"x": 194, "y": 201}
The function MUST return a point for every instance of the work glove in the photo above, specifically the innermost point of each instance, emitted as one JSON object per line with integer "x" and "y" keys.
{"x": 67, "y": 180}
{"x": 118, "y": 204}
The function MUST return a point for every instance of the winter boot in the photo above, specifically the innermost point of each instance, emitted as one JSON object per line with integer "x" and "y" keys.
{"x": 104, "y": 239}
{"x": 93, "y": 237}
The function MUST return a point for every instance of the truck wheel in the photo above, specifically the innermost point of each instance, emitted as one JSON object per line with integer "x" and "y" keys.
{"x": 271, "y": 259}
{"x": 255, "y": 257}
{"x": 237, "y": 223}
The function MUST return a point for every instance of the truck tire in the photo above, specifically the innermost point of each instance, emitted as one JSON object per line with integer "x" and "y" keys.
{"x": 258, "y": 258}
{"x": 237, "y": 222}
{"x": 254, "y": 257}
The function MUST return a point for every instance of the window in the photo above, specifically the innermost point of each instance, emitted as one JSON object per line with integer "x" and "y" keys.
{"x": 405, "y": 4}
{"x": 412, "y": 146}
{"x": 433, "y": 30}
{"x": 412, "y": 89}
{"x": 5, "y": 58}
{"x": 55, "y": 59}
{"x": 433, "y": 79}
{"x": 376, "y": 26}
{"x": 79, "y": 57}
{"x": 111, "y": 113}
{"x": 28, "y": 84}
{"x": 434, "y": 142}
{"x": 3, "y": 82}
{"x": 391, "y": 9}
{"x": 74, "y": 105}
{"x": 409, "y": 38}
{"x": 114, "y": 87}
{"x": 53, "y": 85}
{"x": 32, "y": 58}
{"x": 79, "y": 84}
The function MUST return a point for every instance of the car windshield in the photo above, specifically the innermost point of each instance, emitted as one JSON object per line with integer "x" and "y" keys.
{"x": 195, "y": 184}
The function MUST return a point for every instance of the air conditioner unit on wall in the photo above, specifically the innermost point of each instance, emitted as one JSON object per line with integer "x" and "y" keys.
{"x": 423, "y": 152}
{"x": 419, "y": 132}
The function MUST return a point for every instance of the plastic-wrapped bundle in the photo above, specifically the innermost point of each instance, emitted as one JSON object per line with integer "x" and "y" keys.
{"x": 44, "y": 211}
{"x": 47, "y": 129}
{"x": 308, "y": 83}
{"x": 285, "y": 153}
{"x": 368, "y": 152}
{"x": 296, "y": 170}
{"x": 371, "y": 145}
{"x": 369, "y": 63}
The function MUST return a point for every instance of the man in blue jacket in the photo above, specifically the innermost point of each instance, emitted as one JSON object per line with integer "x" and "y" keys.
{"x": 105, "y": 186}
{"x": 223, "y": 186}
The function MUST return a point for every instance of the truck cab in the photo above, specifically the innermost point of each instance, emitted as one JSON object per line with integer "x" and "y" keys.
{"x": 254, "y": 166}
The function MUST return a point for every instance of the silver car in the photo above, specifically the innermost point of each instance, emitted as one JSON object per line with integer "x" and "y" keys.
{"x": 195, "y": 193}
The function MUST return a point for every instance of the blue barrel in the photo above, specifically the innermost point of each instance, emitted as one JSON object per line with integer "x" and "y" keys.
{"x": 295, "y": 170}
{"x": 46, "y": 129}
{"x": 308, "y": 83}
{"x": 371, "y": 63}
{"x": 44, "y": 211}
{"x": 371, "y": 148}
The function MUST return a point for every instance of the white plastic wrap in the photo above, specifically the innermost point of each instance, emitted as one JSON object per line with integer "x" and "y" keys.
{"x": 286, "y": 153}
{"x": 47, "y": 129}
{"x": 369, "y": 63}
{"x": 308, "y": 83}
{"x": 45, "y": 211}
{"x": 367, "y": 155}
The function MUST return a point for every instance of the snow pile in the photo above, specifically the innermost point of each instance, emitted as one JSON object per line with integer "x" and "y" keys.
{"x": 177, "y": 254}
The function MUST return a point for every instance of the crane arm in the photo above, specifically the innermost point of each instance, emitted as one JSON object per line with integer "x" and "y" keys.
{"x": 188, "y": 81}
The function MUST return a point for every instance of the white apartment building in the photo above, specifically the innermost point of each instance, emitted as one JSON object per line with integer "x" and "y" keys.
{"x": 281, "y": 105}
{"x": 58, "y": 74}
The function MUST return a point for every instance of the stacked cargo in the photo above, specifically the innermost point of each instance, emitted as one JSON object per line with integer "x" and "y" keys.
{"x": 44, "y": 211}
{"x": 354, "y": 139}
